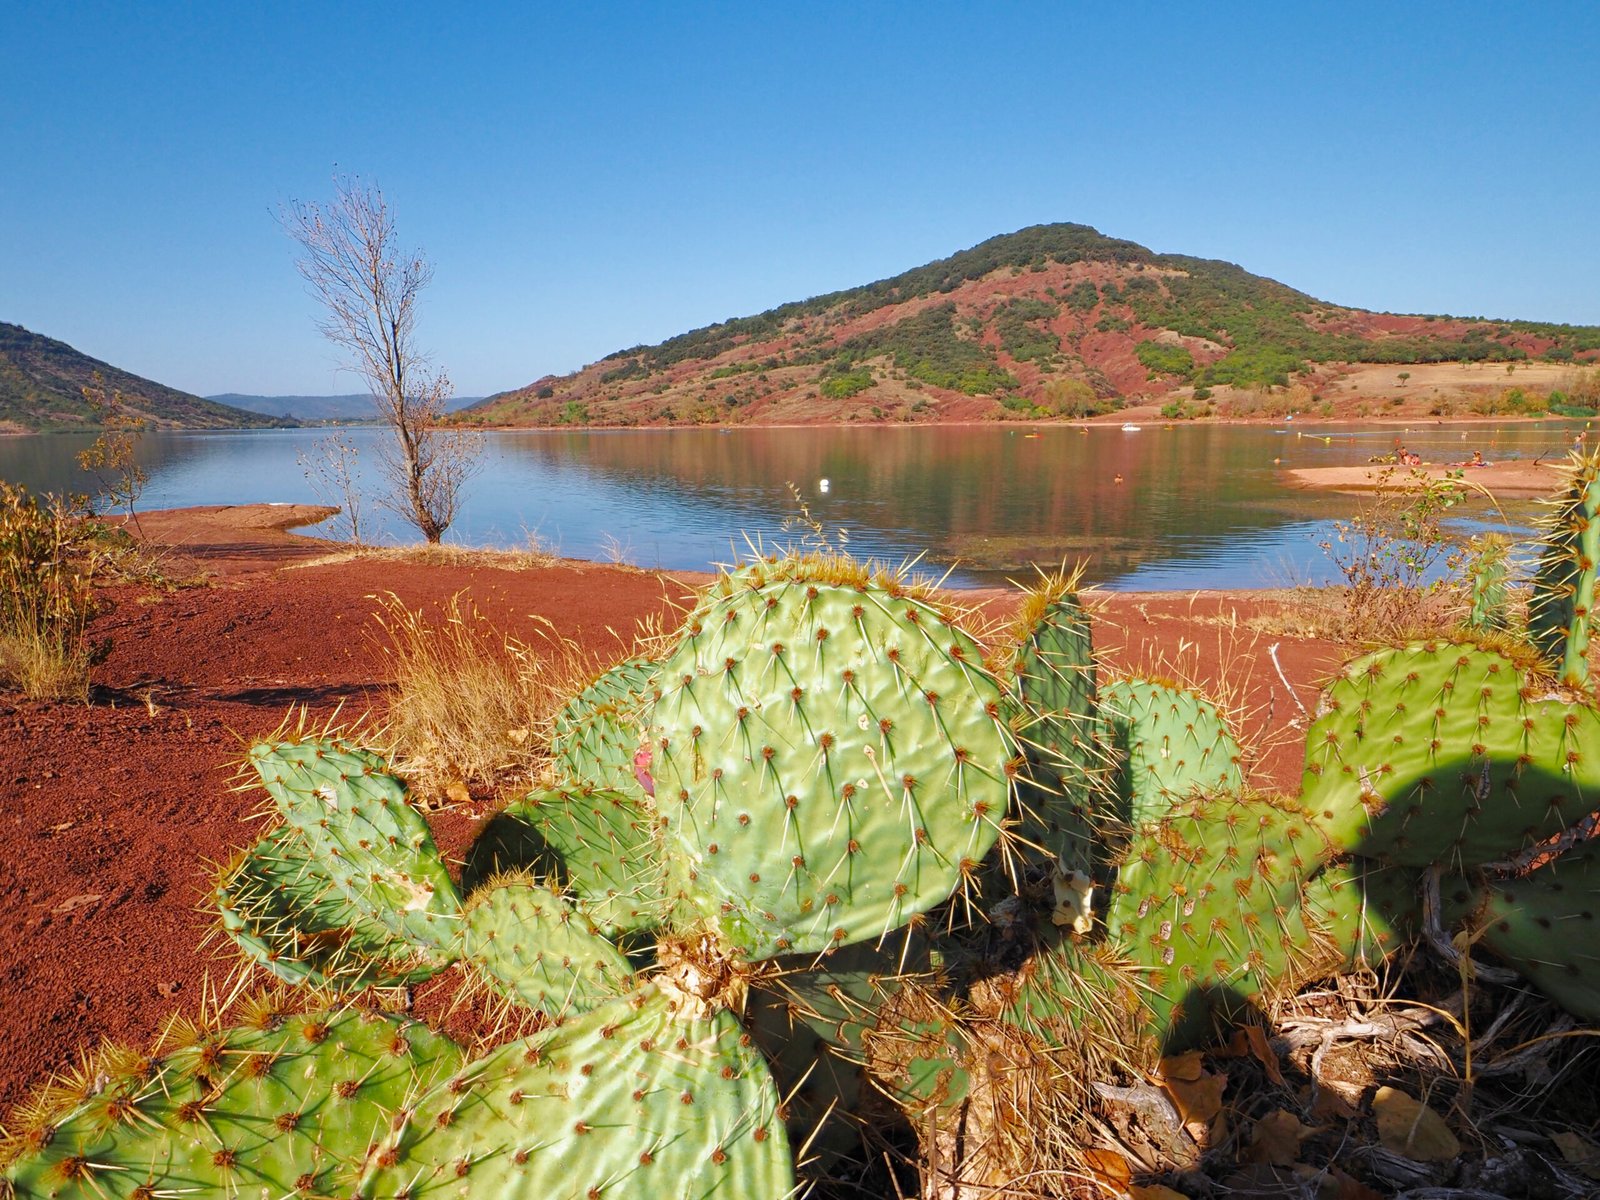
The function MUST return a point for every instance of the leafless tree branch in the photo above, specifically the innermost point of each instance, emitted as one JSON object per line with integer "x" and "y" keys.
{"x": 368, "y": 288}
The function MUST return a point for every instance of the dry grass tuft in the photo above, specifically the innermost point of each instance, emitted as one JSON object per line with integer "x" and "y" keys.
{"x": 470, "y": 704}
{"x": 48, "y": 565}
{"x": 537, "y": 556}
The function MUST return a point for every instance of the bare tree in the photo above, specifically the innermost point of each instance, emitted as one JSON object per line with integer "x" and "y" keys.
{"x": 368, "y": 288}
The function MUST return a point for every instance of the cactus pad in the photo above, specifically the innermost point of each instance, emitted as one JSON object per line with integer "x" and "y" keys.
{"x": 829, "y": 762}
{"x": 1059, "y": 730}
{"x": 281, "y": 1106}
{"x": 1448, "y": 753}
{"x": 356, "y": 821}
{"x": 601, "y": 846}
{"x": 1561, "y": 609}
{"x": 283, "y": 912}
{"x": 599, "y": 729}
{"x": 1176, "y": 743}
{"x": 628, "y": 1100}
{"x": 534, "y": 948}
{"x": 1545, "y": 925}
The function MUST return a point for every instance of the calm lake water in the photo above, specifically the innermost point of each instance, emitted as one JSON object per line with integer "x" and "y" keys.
{"x": 1196, "y": 506}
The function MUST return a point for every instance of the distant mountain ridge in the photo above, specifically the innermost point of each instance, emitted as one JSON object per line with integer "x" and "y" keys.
{"x": 42, "y": 382}
{"x": 353, "y": 406}
{"x": 1052, "y": 320}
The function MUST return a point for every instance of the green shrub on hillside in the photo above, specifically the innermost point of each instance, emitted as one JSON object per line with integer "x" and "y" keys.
{"x": 847, "y": 384}
{"x": 1161, "y": 359}
{"x": 1083, "y": 297}
{"x": 1021, "y": 336}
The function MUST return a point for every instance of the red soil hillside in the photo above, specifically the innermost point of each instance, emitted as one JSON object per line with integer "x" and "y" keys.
{"x": 1051, "y": 321}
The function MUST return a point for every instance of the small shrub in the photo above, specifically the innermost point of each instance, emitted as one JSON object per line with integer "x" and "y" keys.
{"x": 1399, "y": 563}
{"x": 48, "y": 561}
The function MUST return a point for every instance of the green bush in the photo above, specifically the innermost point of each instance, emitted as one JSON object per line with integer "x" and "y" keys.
{"x": 1160, "y": 359}
{"x": 850, "y": 383}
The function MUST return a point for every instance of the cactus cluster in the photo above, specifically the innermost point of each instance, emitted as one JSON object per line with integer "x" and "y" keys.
{"x": 721, "y": 896}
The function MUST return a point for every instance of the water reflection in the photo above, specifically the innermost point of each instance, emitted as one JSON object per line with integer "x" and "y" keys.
{"x": 1168, "y": 507}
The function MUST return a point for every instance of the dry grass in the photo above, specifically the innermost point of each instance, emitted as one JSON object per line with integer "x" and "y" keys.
{"x": 537, "y": 555}
{"x": 48, "y": 563}
{"x": 471, "y": 705}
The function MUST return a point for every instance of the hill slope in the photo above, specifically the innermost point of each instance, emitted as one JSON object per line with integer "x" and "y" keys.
{"x": 354, "y": 406}
{"x": 1053, "y": 320}
{"x": 42, "y": 382}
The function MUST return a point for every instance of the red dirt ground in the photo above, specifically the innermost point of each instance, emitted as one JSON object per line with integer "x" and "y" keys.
{"x": 113, "y": 814}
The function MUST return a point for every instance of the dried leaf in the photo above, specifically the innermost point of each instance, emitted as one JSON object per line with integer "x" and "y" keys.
{"x": 1579, "y": 1151}
{"x": 456, "y": 792}
{"x": 1409, "y": 1127}
{"x": 1276, "y": 1139}
{"x": 1250, "y": 1041}
{"x": 1198, "y": 1100}
{"x": 1109, "y": 1168}
{"x": 517, "y": 736}
{"x": 1154, "y": 1191}
{"x": 1186, "y": 1068}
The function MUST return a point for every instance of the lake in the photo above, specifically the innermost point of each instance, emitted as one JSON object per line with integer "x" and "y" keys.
{"x": 1167, "y": 507}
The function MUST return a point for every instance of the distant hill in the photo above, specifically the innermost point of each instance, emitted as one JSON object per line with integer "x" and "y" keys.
{"x": 356, "y": 406}
{"x": 1053, "y": 320}
{"x": 42, "y": 382}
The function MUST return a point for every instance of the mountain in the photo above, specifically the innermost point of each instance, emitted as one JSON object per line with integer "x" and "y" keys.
{"x": 1053, "y": 320}
{"x": 356, "y": 406}
{"x": 42, "y": 382}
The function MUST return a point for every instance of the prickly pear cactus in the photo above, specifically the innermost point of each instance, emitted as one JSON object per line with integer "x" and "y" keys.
{"x": 1448, "y": 753}
{"x": 1544, "y": 925}
{"x": 1175, "y": 743}
{"x": 1489, "y": 572}
{"x": 535, "y": 948}
{"x": 1062, "y": 791}
{"x": 1207, "y": 905}
{"x": 631, "y": 1099}
{"x": 600, "y": 846}
{"x": 1561, "y": 608}
{"x": 281, "y": 909}
{"x": 599, "y": 730}
{"x": 285, "y": 1104}
{"x": 355, "y": 821}
{"x": 830, "y": 759}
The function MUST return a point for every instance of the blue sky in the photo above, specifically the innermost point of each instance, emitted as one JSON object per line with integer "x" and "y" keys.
{"x": 589, "y": 177}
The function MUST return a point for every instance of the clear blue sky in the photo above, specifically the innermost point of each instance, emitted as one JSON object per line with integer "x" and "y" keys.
{"x": 586, "y": 177}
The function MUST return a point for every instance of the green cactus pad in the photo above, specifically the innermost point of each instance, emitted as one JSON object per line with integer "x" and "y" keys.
{"x": 1206, "y": 905}
{"x": 830, "y": 761}
{"x": 601, "y": 846}
{"x": 598, "y": 731}
{"x": 1448, "y": 753}
{"x": 533, "y": 947}
{"x": 629, "y": 1100}
{"x": 283, "y": 912}
{"x": 1175, "y": 742}
{"x": 1073, "y": 993}
{"x": 1063, "y": 793}
{"x": 1488, "y": 573}
{"x": 1561, "y": 609}
{"x": 283, "y": 1106}
{"x": 810, "y": 1021}
{"x": 356, "y": 821}
{"x": 1367, "y": 909}
{"x": 1547, "y": 926}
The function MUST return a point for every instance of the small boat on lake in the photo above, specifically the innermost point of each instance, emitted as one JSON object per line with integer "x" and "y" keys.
{"x": 1130, "y": 427}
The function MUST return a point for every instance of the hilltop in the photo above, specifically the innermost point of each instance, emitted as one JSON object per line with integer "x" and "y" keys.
{"x": 1053, "y": 320}
{"x": 42, "y": 382}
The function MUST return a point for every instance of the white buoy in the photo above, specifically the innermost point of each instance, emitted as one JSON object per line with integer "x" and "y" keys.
{"x": 822, "y": 485}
